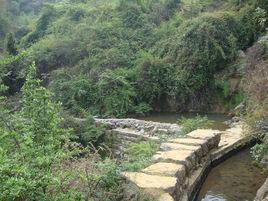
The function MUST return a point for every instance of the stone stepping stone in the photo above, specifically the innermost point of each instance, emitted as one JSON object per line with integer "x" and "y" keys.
{"x": 193, "y": 142}
{"x": 166, "y": 169}
{"x": 175, "y": 146}
{"x": 143, "y": 180}
{"x": 213, "y": 136}
{"x": 203, "y": 133}
{"x": 184, "y": 157}
{"x": 189, "y": 141}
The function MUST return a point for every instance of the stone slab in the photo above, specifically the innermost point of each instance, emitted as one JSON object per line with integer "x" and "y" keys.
{"x": 213, "y": 137}
{"x": 184, "y": 157}
{"x": 203, "y": 133}
{"x": 143, "y": 180}
{"x": 175, "y": 146}
{"x": 167, "y": 169}
{"x": 188, "y": 141}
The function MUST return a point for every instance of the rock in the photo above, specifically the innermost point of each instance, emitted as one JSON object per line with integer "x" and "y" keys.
{"x": 203, "y": 133}
{"x": 262, "y": 194}
{"x": 148, "y": 126}
{"x": 193, "y": 142}
{"x": 240, "y": 108}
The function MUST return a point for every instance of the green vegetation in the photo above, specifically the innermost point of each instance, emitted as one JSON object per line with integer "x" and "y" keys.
{"x": 115, "y": 58}
{"x": 150, "y": 52}
{"x": 189, "y": 125}
{"x": 32, "y": 145}
{"x": 139, "y": 155}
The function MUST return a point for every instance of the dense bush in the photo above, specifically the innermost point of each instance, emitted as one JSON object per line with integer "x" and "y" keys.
{"x": 252, "y": 23}
{"x": 202, "y": 46}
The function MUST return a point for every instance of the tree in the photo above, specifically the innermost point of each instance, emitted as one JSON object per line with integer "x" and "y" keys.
{"x": 10, "y": 45}
{"x": 32, "y": 148}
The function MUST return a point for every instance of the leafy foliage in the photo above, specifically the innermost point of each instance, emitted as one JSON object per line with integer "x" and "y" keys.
{"x": 150, "y": 52}
{"x": 32, "y": 146}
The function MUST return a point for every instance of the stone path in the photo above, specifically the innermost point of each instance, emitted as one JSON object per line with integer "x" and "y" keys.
{"x": 181, "y": 163}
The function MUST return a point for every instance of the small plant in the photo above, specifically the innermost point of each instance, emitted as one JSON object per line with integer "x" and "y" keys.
{"x": 138, "y": 155}
{"x": 258, "y": 151}
{"x": 188, "y": 125}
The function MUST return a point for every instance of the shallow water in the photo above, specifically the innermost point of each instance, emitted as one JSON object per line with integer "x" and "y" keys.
{"x": 218, "y": 120}
{"x": 236, "y": 179}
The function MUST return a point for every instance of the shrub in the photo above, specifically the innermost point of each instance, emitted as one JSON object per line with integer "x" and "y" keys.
{"x": 13, "y": 70}
{"x": 85, "y": 131}
{"x": 199, "y": 48}
{"x": 32, "y": 147}
{"x": 155, "y": 79}
{"x": 77, "y": 93}
{"x": 189, "y": 125}
{"x": 138, "y": 155}
{"x": 48, "y": 14}
{"x": 252, "y": 24}
{"x": 115, "y": 93}
{"x": 10, "y": 45}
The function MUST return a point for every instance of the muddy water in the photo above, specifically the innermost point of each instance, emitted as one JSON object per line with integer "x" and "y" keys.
{"x": 218, "y": 120}
{"x": 236, "y": 179}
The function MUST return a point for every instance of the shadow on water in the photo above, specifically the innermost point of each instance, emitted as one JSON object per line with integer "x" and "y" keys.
{"x": 236, "y": 179}
{"x": 218, "y": 120}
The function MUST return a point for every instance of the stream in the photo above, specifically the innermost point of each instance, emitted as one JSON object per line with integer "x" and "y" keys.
{"x": 236, "y": 179}
{"x": 217, "y": 120}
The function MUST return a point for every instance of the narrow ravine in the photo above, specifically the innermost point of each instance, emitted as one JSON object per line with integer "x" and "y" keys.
{"x": 236, "y": 179}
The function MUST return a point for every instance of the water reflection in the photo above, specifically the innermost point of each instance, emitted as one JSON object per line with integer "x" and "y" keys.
{"x": 236, "y": 179}
{"x": 218, "y": 120}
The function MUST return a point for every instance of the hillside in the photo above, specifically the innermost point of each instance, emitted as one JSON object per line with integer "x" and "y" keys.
{"x": 157, "y": 55}
{"x": 64, "y": 61}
